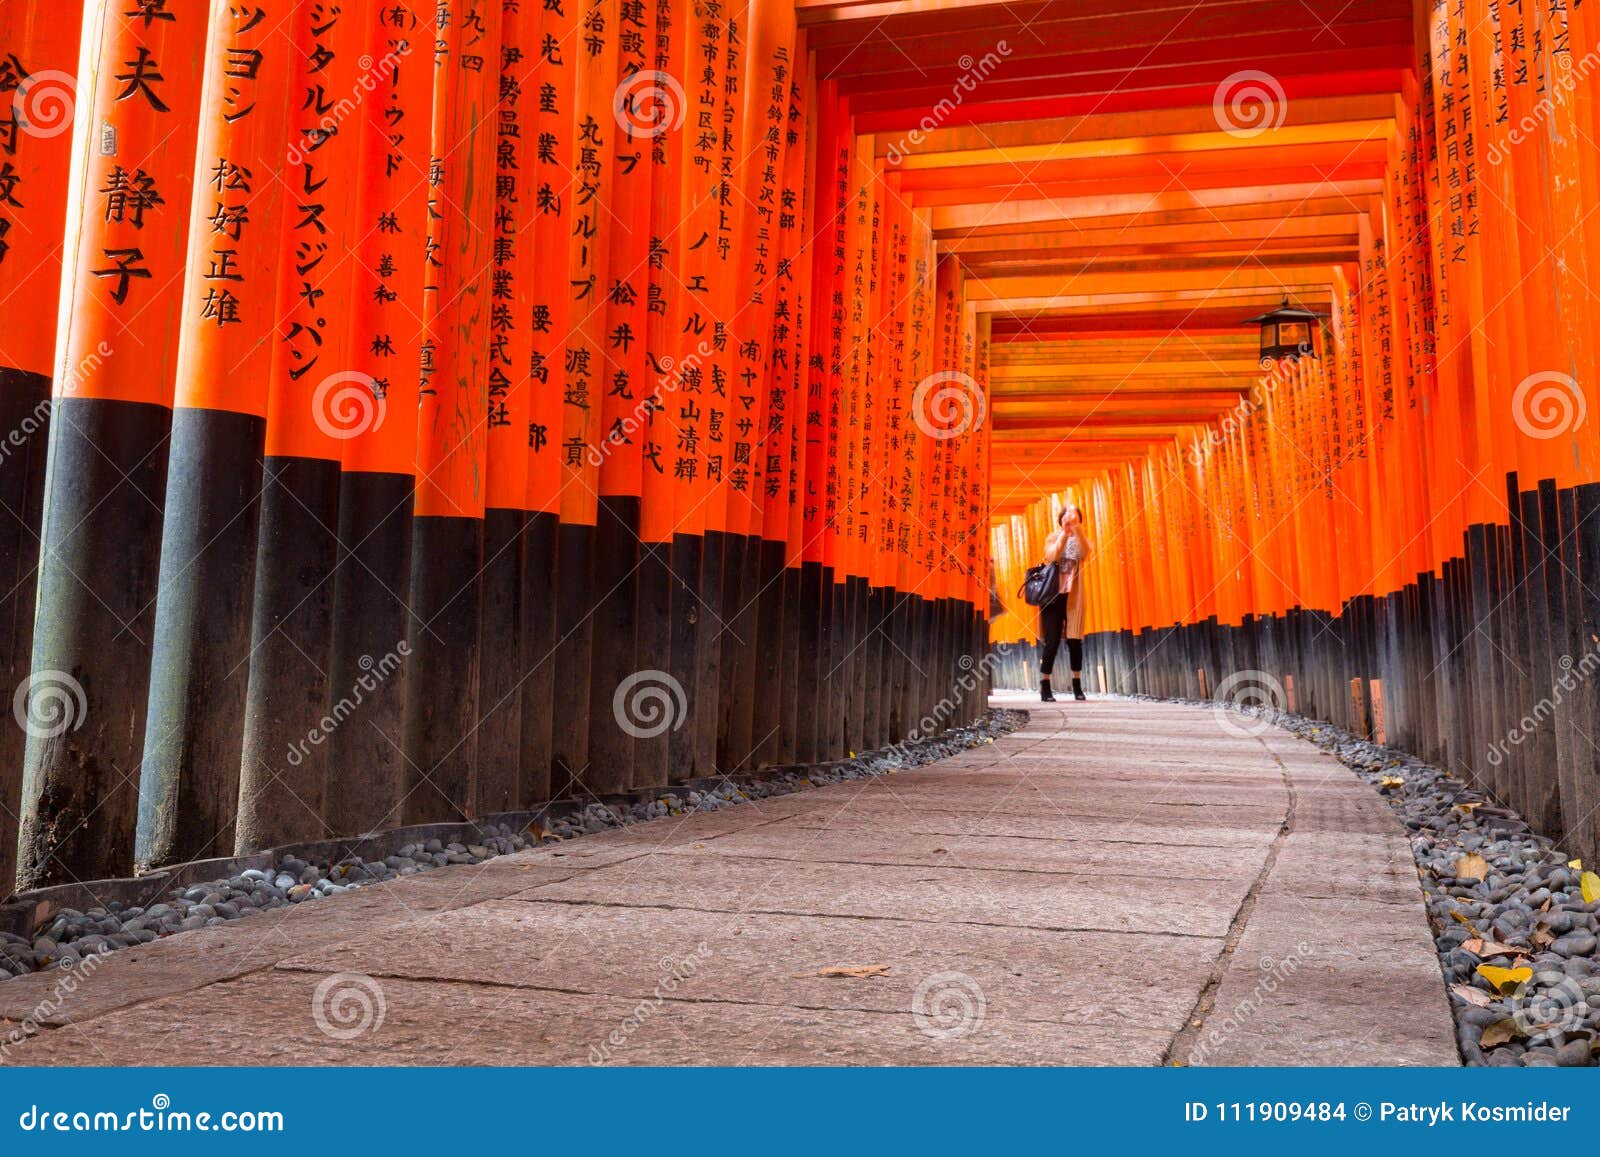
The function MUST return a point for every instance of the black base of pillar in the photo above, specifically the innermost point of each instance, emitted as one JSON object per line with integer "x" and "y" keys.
{"x": 540, "y": 635}
{"x": 612, "y": 726}
{"x": 705, "y": 697}
{"x": 575, "y": 599}
{"x": 442, "y": 683}
{"x": 100, "y": 551}
{"x": 741, "y": 624}
{"x": 653, "y": 642}
{"x": 498, "y": 785}
{"x": 688, "y": 614}
{"x": 371, "y": 635}
{"x": 194, "y": 730}
{"x": 290, "y": 706}
{"x": 25, "y": 412}
{"x": 769, "y": 675}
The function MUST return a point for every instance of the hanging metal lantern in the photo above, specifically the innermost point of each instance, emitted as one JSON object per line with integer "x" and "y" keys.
{"x": 1287, "y": 332}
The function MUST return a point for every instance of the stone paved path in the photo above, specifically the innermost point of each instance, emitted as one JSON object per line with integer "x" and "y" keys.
{"x": 1080, "y": 892}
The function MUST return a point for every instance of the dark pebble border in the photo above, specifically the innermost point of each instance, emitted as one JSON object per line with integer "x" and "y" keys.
{"x": 1527, "y": 911}
{"x": 69, "y": 935}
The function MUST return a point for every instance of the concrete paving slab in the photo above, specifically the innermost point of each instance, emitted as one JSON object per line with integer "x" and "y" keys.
{"x": 207, "y": 955}
{"x": 1077, "y": 893}
{"x": 431, "y": 1023}
{"x": 971, "y": 896}
{"x": 1079, "y": 857}
{"x": 1302, "y": 986}
{"x": 767, "y": 959}
{"x": 1051, "y": 826}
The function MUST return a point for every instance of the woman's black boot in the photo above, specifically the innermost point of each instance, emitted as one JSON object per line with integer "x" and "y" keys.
{"x": 1077, "y": 688}
{"x": 1045, "y": 695}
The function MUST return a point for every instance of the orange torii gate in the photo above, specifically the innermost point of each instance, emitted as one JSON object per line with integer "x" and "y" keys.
{"x": 464, "y": 404}
{"x": 1395, "y": 534}
{"x": 536, "y": 383}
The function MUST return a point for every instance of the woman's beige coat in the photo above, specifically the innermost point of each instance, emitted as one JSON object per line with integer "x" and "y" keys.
{"x": 1055, "y": 550}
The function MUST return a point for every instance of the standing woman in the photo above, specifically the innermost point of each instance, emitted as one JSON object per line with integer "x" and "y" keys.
{"x": 1063, "y": 615}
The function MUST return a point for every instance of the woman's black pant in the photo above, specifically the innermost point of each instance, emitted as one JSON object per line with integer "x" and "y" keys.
{"x": 1052, "y": 617}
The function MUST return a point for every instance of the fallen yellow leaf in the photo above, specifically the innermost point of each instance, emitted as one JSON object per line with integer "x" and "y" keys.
{"x": 1391, "y": 781}
{"x": 1472, "y": 867}
{"x": 1591, "y": 887}
{"x": 1575, "y": 865}
{"x": 1501, "y": 978}
{"x": 1471, "y": 927}
{"x": 1469, "y": 808}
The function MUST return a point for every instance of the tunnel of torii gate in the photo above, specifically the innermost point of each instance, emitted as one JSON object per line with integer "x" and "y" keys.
{"x": 421, "y": 410}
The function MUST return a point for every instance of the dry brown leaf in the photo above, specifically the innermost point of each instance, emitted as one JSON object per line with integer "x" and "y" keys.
{"x": 1542, "y": 938}
{"x": 847, "y": 971}
{"x": 1472, "y": 995}
{"x": 1499, "y": 1033}
{"x": 1481, "y": 947}
{"x": 1472, "y": 867}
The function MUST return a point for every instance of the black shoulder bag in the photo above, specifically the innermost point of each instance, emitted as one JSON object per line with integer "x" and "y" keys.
{"x": 1042, "y": 584}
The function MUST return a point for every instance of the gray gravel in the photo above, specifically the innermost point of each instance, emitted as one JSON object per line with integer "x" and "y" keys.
{"x": 1526, "y": 912}
{"x": 73, "y": 935}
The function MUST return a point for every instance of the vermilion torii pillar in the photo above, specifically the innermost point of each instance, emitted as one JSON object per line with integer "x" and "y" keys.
{"x": 122, "y": 285}
{"x": 372, "y": 621}
{"x": 699, "y": 368}
{"x": 614, "y": 734}
{"x": 499, "y": 772}
{"x": 591, "y": 61}
{"x": 656, "y": 103}
{"x": 189, "y": 791}
{"x": 547, "y": 565}
{"x": 442, "y": 688}
{"x": 38, "y": 66}
{"x": 284, "y": 766}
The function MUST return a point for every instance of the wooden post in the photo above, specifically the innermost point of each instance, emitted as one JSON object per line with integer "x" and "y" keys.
{"x": 37, "y": 100}
{"x": 122, "y": 289}
{"x": 442, "y": 690}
